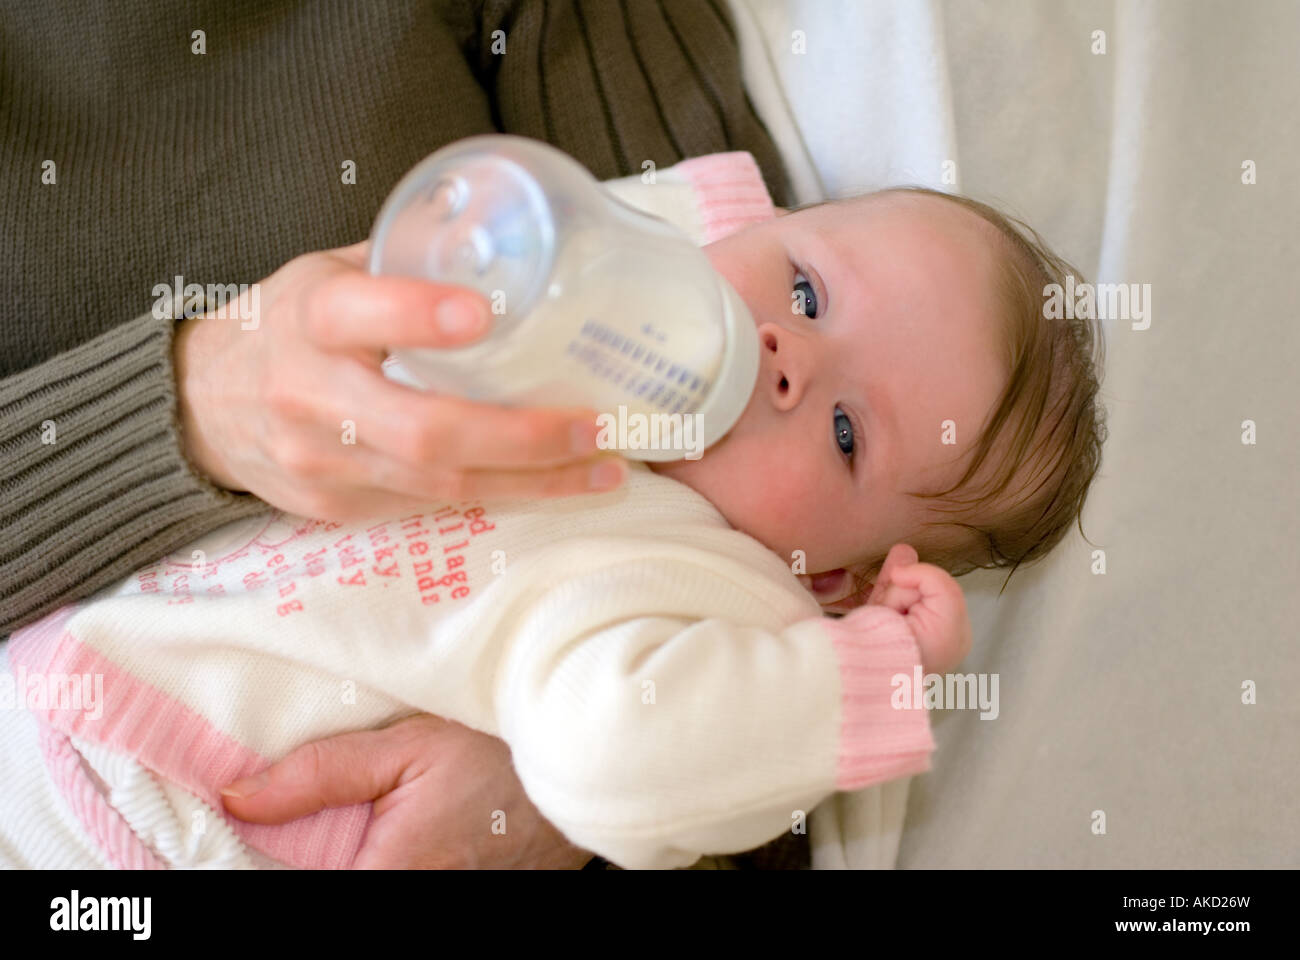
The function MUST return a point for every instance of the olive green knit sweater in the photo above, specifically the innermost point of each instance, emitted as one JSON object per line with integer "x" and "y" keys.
{"x": 134, "y": 149}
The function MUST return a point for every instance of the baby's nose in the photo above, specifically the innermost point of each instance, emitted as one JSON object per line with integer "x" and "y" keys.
{"x": 782, "y": 367}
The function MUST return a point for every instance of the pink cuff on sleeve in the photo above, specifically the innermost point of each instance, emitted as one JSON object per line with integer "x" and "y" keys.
{"x": 729, "y": 191}
{"x": 878, "y": 741}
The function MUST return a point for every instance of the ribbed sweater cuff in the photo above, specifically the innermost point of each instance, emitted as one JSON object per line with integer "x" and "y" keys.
{"x": 95, "y": 484}
{"x": 730, "y": 192}
{"x": 878, "y": 741}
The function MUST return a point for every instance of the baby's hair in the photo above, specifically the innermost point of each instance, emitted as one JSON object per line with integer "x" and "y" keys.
{"x": 1049, "y": 411}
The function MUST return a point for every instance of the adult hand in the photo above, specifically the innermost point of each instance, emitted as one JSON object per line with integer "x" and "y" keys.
{"x": 437, "y": 787}
{"x": 263, "y": 403}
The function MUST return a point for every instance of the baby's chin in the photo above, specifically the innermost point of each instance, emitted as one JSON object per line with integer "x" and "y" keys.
{"x": 720, "y": 479}
{"x": 683, "y": 470}
{"x": 706, "y": 476}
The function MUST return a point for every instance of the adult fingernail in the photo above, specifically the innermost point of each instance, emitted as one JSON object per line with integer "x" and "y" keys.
{"x": 241, "y": 789}
{"x": 605, "y": 475}
{"x": 460, "y": 318}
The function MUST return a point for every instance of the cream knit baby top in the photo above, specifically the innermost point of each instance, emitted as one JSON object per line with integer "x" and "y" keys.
{"x": 667, "y": 687}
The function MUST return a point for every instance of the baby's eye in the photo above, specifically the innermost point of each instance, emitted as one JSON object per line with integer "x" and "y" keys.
{"x": 804, "y": 298}
{"x": 843, "y": 432}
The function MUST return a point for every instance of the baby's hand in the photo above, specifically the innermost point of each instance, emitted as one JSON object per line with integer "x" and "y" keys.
{"x": 931, "y": 602}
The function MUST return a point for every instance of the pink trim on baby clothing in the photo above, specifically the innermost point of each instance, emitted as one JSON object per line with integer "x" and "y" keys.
{"x": 878, "y": 742}
{"x": 729, "y": 191}
{"x": 169, "y": 738}
{"x": 103, "y": 824}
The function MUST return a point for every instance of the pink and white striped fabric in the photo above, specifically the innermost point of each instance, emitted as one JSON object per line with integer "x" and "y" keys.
{"x": 165, "y": 736}
{"x": 730, "y": 190}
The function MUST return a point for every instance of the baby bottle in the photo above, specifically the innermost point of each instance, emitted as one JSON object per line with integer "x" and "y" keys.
{"x": 594, "y": 303}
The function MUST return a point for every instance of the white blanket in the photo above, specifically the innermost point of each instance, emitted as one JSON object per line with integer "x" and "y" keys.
{"x": 1123, "y": 739}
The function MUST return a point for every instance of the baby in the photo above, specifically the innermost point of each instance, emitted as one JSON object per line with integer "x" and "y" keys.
{"x": 657, "y": 656}
{"x": 914, "y": 366}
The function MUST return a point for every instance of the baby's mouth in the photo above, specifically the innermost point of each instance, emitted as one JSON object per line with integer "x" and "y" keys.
{"x": 830, "y": 580}
{"x": 823, "y": 582}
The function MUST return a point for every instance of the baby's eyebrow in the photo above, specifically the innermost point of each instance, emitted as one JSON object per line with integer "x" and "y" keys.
{"x": 833, "y": 263}
{"x": 840, "y": 256}
{"x": 827, "y": 251}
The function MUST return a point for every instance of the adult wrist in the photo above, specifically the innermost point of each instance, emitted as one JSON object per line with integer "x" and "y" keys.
{"x": 190, "y": 356}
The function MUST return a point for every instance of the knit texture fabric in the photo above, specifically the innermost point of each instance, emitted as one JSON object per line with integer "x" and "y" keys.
{"x": 128, "y": 157}
{"x": 211, "y": 671}
{"x": 666, "y": 686}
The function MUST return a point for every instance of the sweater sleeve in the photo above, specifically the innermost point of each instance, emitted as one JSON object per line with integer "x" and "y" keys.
{"x": 95, "y": 483}
{"x": 656, "y": 740}
{"x": 667, "y": 78}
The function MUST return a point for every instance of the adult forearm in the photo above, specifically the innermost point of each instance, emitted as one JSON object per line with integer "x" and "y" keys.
{"x": 94, "y": 481}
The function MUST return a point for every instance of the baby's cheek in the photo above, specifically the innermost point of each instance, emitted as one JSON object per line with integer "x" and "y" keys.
{"x": 782, "y": 513}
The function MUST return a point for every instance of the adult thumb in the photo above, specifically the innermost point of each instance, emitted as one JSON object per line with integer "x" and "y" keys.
{"x": 336, "y": 772}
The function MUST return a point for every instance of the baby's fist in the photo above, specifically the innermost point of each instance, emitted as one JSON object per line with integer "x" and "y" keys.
{"x": 931, "y": 601}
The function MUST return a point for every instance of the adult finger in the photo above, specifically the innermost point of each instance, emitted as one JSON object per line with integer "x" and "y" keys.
{"x": 335, "y": 772}
{"x": 347, "y": 504}
{"x": 351, "y": 310}
{"x": 384, "y": 474}
{"x": 425, "y": 429}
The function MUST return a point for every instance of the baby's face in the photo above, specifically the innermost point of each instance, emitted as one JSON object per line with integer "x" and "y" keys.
{"x": 901, "y": 334}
